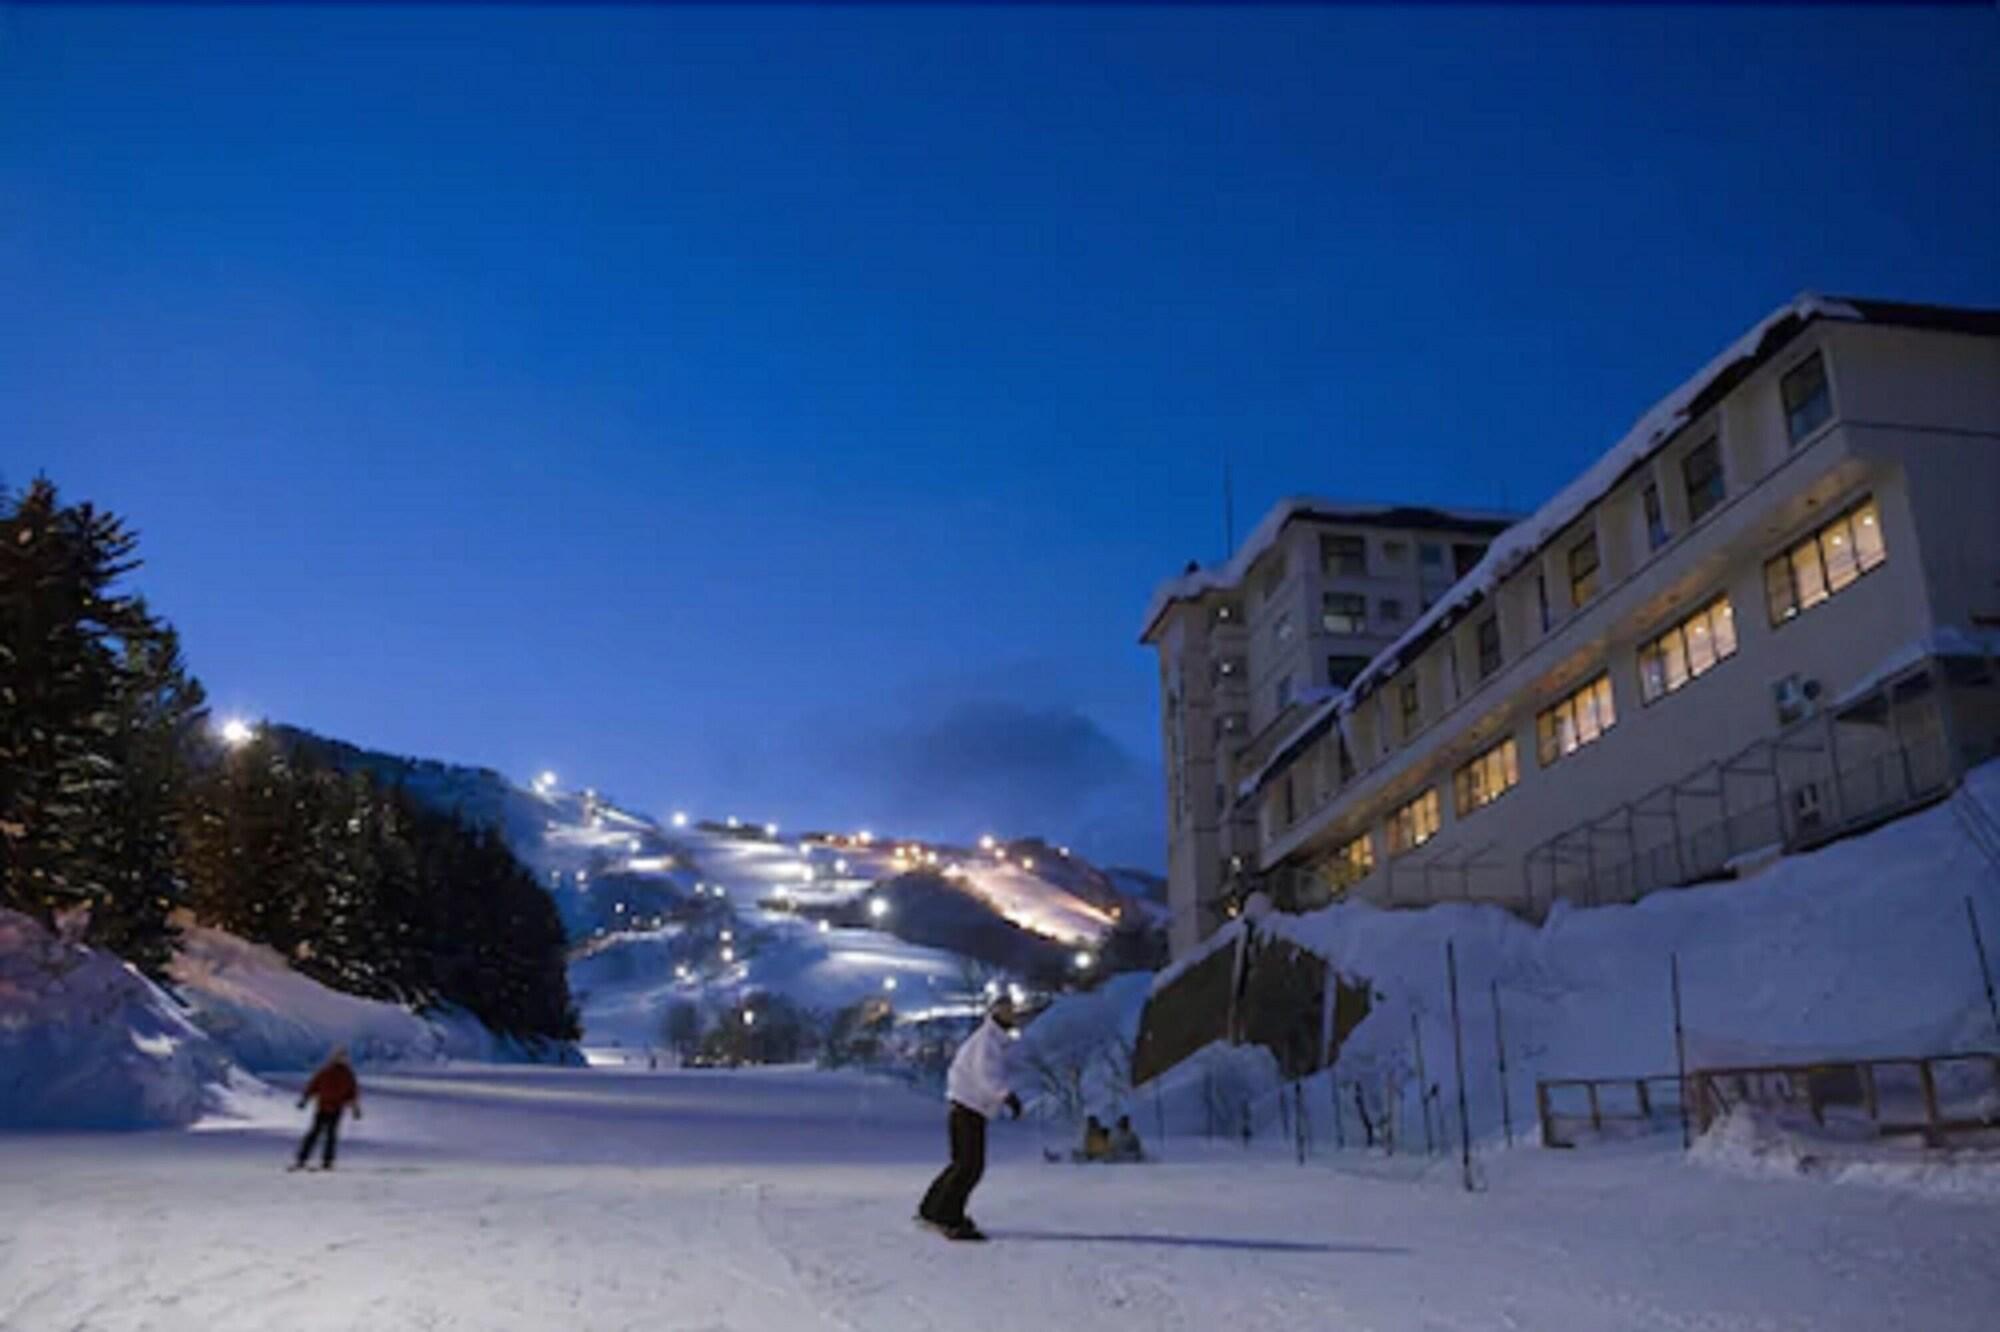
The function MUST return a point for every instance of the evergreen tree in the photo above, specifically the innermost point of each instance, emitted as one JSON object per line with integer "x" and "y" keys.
{"x": 76, "y": 655}
{"x": 158, "y": 716}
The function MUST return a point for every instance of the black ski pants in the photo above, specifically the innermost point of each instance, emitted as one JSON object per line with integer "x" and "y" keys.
{"x": 326, "y": 1124}
{"x": 952, "y": 1189}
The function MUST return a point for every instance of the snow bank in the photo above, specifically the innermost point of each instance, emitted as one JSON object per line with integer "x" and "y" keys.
{"x": 1860, "y": 948}
{"x": 271, "y": 1017}
{"x": 1757, "y": 1145}
{"x": 87, "y": 1042}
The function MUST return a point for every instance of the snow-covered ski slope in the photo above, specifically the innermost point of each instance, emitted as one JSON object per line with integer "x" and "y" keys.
{"x": 715, "y": 910}
{"x": 780, "y": 1201}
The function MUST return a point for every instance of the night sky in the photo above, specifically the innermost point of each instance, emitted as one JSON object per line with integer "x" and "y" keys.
{"x": 787, "y": 412}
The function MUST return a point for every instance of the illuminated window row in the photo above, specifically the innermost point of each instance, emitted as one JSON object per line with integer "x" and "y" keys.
{"x": 1687, "y": 650}
{"x": 1824, "y": 562}
{"x": 1577, "y": 720}
{"x": 1486, "y": 778}
{"x": 1415, "y": 823}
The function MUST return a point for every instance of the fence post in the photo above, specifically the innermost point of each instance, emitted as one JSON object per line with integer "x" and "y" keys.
{"x": 1985, "y": 968}
{"x": 1680, "y": 1048}
{"x": 1458, "y": 1057}
{"x": 1500, "y": 1044}
{"x": 1423, "y": 1085}
{"x": 1299, "y": 1118}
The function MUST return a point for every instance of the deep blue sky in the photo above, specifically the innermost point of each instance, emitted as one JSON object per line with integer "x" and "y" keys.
{"x": 787, "y": 412}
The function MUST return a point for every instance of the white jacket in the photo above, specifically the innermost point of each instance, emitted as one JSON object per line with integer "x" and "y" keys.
{"x": 978, "y": 1076}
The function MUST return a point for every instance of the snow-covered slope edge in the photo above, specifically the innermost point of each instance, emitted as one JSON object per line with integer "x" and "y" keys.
{"x": 86, "y": 1042}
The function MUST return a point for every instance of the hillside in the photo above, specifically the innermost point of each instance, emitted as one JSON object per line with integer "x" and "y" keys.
{"x": 716, "y": 911}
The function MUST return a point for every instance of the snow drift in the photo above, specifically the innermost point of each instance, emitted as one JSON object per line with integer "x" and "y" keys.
{"x": 87, "y": 1042}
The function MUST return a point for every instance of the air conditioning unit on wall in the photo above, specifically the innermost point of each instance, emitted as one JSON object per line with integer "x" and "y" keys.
{"x": 1796, "y": 698}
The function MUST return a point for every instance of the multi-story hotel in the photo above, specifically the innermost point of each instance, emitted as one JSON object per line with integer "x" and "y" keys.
{"x": 1249, "y": 649}
{"x": 1765, "y": 618}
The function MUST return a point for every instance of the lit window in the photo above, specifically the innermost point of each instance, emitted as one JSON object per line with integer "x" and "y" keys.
{"x": 1350, "y": 863}
{"x": 1687, "y": 650}
{"x": 1343, "y": 612}
{"x": 1807, "y": 402}
{"x": 1228, "y": 670}
{"x": 1488, "y": 777}
{"x": 1583, "y": 571}
{"x": 1580, "y": 718}
{"x": 1415, "y": 823}
{"x": 1701, "y": 473}
{"x": 1656, "y": 519}
{"x": 1343, "y": 556}
{"x": 1824, "y": 562}
{"x": 1227, "y": 612}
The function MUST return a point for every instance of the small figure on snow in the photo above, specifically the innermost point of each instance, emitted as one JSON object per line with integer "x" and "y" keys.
{"x": 335, "y": 1088}
{"x": 1125, "y": 1144}
{"x": 1096, "y": 1141}
{"x": 977, "y": 1088}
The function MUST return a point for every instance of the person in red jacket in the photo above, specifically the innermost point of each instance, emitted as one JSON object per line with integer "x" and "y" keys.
{"x": 335, "y": 1088}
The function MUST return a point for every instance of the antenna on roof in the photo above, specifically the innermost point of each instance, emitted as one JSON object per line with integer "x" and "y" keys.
{"x": 1228, "y": 512}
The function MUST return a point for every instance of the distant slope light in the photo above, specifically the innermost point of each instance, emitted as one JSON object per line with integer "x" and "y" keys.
{"x": 236, "y": 732}
{"x": 680, "y": 818}
{"x": 770, "y": 830}
{"x": 545, "y": 783}
{"x": 878, "y": 907}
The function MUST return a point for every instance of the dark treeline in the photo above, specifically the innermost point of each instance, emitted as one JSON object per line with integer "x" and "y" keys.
{"x": 118, "y": 809}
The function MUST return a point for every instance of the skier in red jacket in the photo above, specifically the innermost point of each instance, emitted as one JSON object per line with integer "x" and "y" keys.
{"x": 335, "y": 1088}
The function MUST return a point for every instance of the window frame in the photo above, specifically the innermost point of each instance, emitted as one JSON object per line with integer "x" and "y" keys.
{"x": 1353, "y": 549}
{"x": 1787, "y": 562}
{"x": 1654, "y": 511}
{"x": 1488, "y": 627}
{"x": 1395, "y": 824}
{"x": 1796, "y": 434}
{"x": 1505, "y": 754}
{"x": 1714, "y": 481}
{"x": 1590, "y": 576}
{"x": 1550, "y": 747}
{"x": 1359, "y": 661}
{"x": 1676, "y": 638}
{"x": 1354, "y": 613}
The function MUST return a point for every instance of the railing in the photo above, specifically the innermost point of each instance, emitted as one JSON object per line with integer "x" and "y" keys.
{"x": 1608, "y": 1107}
{"x": 1935, "y": 1097}
{"x": 1932, "y": 1096}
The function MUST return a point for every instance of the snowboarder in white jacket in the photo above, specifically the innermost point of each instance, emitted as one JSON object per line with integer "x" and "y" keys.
{"x": 977, "y": 1088}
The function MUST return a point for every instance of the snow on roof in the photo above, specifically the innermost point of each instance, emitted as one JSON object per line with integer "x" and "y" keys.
{"x": 1198, "y": 582}
{"x": 1518, "y": 543}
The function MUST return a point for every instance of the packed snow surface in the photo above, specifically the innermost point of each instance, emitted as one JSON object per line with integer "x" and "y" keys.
{"x": 778, "y": 1200}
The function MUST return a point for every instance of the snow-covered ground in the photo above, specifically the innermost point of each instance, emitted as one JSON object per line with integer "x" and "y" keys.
{"x": 547, "y": 1198}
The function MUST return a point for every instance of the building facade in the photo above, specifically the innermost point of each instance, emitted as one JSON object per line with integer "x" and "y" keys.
{"x": 1245, "y": 650}
{"x": 1766, "y": 618}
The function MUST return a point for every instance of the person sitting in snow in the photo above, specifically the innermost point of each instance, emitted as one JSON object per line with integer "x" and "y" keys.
{"x": 1125, "y": 1145}
{"x": 976, "y": 1087}
{"x": 335, "y": 1088}
{"x": 1096, "y": 1141}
